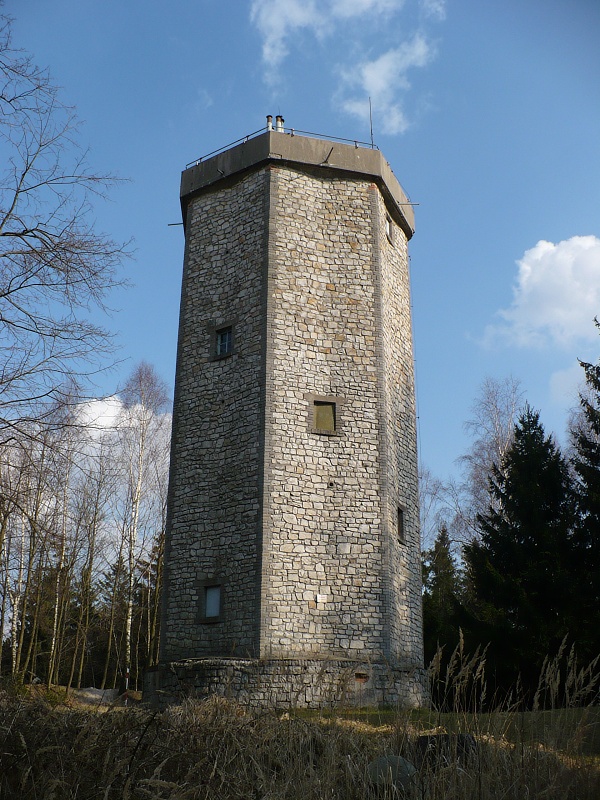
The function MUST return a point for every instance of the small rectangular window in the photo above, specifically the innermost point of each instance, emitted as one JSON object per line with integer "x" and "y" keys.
{"x": 324, "y": 416}
{"x": 212, "y": 601}
{"x": 388, "y": 227}
{"x": 400, "y": 526}
{"x": 224, "y": 341}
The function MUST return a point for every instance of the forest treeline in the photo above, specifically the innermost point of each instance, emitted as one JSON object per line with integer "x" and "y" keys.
{"x": 514, "y": 568}
{"x": 82, "y": 483}
{"x": 82, "y": 515}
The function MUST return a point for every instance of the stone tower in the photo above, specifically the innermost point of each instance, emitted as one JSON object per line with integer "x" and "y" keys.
{"x": 292, "y": 568}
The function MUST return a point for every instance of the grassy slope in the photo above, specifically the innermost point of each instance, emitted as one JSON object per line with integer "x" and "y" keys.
{"x": 215, "y": 749}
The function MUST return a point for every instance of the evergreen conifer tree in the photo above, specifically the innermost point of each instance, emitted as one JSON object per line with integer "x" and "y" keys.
{"x": 441, "y": 596}
{"x": 520, "y": 572}
{"x": 586, "y": 464}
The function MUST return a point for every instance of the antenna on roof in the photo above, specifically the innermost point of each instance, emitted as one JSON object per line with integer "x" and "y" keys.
{"x": 371, "y": 122}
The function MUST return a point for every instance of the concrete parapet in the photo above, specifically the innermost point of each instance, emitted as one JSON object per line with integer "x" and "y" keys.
{"x": 287, "y": 150}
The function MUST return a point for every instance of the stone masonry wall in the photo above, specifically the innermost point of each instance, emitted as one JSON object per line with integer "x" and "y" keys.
{"x": 401, "y": 473}
{"x": 217, "y": 454}
{"x": 287, "y": 683}
{"x": 333, "y": 579}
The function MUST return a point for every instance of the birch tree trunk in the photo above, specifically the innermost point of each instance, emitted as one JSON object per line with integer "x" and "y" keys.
{"x": 145, "y": 398}
{"x": 60, "y": 576}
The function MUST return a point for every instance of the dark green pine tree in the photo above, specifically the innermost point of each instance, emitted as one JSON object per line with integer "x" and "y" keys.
{"x": 441, "y": 597}
{"x": 522, "y": 595}
{"x": 586, "y": 464}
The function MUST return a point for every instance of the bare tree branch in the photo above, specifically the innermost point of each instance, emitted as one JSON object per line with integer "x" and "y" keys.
{"x": 56, "y": 269}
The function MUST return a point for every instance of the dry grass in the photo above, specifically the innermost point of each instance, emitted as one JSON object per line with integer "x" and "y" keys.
{"x": 204, "y": 750}
{"x": 216, "y": 749}
{"x": 210, "y": 749}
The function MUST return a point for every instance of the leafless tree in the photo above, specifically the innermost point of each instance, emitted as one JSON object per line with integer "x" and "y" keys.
{"x": 55, "y": 268}
{"x": 493, "y": 416}
{"x": 456, "y": 502}
{"x": 144, "y": 441}
{"x": 432, "y": 505}
{"x": 82, "y": 514}
{"x": 91, "y": 501}
{"x": 28, "y": 556}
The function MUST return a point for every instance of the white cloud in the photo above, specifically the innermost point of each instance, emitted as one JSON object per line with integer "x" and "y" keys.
{"x": 100, "y": 415}
{"x": 354, "y": 8}
{"x": 381, "y": 79}
{"x": 278, "y": 20}
{"x": 203, "y": 99}
{"x": 434, "y": 8}
{"x": 556, "y": 296}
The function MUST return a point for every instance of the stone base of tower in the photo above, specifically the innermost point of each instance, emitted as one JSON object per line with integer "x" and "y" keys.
{"x": 287, "y": 683}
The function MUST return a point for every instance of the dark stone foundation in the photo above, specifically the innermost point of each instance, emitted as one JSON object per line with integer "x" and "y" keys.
{"x": 286, "y": 683}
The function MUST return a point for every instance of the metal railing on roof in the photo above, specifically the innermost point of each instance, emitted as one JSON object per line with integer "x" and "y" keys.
{"x": 290, "y": 132}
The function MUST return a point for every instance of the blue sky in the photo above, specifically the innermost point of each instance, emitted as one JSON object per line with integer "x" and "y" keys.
{"x": 488, "y": 112}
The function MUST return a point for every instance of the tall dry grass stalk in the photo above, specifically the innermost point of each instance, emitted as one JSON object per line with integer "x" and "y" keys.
{"x": 204, "y": 750}
{"x": 564, "y": 683}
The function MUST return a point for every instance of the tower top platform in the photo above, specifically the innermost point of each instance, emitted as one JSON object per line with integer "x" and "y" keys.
{"x": 306, "y": 153}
